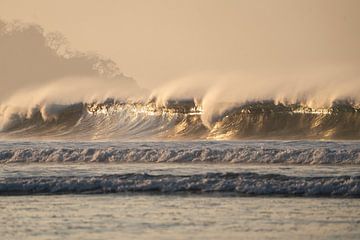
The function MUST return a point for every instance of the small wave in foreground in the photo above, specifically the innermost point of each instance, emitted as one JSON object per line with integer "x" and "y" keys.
{"x": 239, "y": 183}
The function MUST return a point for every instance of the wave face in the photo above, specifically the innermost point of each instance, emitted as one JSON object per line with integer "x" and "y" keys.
{"x": 239, "y": 183}
{"x": 183, "y": 120}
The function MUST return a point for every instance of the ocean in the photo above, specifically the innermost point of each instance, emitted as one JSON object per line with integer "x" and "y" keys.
{"x": 273, "y": 189}
{"x": 231, "y": 130}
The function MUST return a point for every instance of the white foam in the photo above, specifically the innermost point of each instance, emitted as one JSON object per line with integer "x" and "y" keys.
{"x": 277, "y": 152}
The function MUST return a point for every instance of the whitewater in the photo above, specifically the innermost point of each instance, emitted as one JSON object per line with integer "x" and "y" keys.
{"x": 237, "y": 156}
{"x": 204, "y": 189}
{"x": 124, "y": 157}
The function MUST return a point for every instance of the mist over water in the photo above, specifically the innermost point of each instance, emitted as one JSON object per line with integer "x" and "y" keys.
{"x": 179, "y": 111}
{"x": 44, "y": 82}
{"x": 315, "y": 88}
{"x": 38, "y": 70}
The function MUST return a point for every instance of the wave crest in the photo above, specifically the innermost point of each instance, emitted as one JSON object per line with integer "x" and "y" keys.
{"x": 183, "y": 120}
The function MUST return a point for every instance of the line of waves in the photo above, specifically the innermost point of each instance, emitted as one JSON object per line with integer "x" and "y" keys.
{"x": 183, "y": 120}
{"x": 239, "y": 183}
{"x": 185, "y": 154}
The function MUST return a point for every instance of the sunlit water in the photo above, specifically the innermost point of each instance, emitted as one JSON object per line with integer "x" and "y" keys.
{"x": 180, "y": 190}
{"x": 134, "y": 216}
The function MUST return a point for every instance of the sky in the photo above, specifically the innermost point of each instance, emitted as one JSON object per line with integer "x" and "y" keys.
{"x": 157, "y": 41}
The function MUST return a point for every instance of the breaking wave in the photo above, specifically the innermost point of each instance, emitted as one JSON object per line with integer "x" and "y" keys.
{"x": 112, "y": 119}
{"x": 185, "y": 153}
{"x": 239, "y": 183}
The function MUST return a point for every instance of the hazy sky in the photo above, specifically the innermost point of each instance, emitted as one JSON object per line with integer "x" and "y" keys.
{"x": 157, "y": 40}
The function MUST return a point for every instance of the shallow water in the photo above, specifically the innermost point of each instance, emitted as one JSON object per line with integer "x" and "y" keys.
{"x": 180, "y": 190}
{"x": 143, "y": 216}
